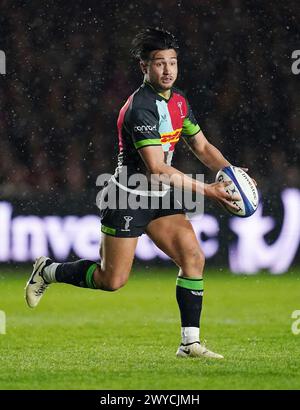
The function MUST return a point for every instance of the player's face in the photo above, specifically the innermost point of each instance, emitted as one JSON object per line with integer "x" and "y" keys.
{"x": 161, "y": 70}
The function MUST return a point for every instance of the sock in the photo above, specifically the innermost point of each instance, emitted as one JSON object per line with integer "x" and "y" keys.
{"x": 189, "y": 295}
{"x": 49, "y": 271}
{"x": 79, "y": 273}
{"x": 189, "y": 335}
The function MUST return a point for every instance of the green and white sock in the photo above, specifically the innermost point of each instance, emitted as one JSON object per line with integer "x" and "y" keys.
{"x": 189, "y": 295}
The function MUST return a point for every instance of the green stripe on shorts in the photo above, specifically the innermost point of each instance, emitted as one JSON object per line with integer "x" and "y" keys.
{"x": 108, "y": 230}
{"x": 190, "y": 283}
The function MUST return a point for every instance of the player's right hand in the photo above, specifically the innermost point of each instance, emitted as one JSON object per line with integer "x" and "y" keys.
{"x": 218, "y": 192}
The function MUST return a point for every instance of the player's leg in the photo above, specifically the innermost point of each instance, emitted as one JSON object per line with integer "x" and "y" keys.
{"x": 175, "y": 236}
{"x": 113, "y": 272}
{"x": 117, "y": 256}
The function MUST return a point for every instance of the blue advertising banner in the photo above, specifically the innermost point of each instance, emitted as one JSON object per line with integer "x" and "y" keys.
{"x": 269, "y": 239}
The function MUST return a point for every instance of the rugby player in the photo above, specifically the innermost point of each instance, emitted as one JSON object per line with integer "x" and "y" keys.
{"x": 154, "y": 118}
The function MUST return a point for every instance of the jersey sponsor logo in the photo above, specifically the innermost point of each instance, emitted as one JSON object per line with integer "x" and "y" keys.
{"x": 172, "y": 134}
{"x": 170, "y": 139}
{"x": 145, "y": 128}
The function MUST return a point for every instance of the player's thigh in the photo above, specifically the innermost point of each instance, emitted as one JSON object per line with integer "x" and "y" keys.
{"x": 175, "y": 236}
{"x": 117, "y": 254}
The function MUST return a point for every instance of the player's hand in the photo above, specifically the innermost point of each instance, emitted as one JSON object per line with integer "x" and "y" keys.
{"x": 218, "y": 192}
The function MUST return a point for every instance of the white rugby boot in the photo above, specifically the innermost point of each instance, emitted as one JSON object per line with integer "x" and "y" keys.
{"x": 196, "y": 350}
{"x": 36, "y": 285}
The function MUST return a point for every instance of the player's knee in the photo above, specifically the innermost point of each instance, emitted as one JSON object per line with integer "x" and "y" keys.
{"x": 116, "y": 283}
{"x": 200, "y": 260}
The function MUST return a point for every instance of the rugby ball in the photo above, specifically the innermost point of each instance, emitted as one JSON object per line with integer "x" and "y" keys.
{"x": 244, "y": 186}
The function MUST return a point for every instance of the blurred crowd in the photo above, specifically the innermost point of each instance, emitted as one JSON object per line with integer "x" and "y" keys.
{"x": 69, "y": 71}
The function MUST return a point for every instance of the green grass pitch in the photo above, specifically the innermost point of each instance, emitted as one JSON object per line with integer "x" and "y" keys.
{"x": 84, "y": 339}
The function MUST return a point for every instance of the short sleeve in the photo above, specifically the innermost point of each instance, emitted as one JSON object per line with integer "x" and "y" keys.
{"x": 144, "y": 128}
{"x": 190, "y": 126}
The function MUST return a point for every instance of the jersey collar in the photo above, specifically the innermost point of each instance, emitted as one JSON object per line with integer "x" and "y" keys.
{"x": 157, "y": 93}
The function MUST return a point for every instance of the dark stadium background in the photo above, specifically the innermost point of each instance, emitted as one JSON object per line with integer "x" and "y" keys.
{"x": 69, "y": 71}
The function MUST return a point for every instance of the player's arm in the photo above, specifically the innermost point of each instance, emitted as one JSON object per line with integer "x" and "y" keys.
{"x": 153, "y": 158}
{"x": 207, "y": 153}
{"x": 146, "y": 139}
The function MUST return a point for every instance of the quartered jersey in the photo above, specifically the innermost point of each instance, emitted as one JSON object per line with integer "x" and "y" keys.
{"x": 147, "y": 119}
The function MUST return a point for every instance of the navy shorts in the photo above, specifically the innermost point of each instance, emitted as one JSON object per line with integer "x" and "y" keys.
{"x": 131, "y": 223}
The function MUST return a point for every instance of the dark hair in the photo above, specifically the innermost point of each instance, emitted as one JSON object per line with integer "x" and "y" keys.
{"x": 152, "y": 39}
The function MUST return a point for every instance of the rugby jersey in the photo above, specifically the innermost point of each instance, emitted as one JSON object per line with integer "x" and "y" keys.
{"x": 147, "y": 119}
